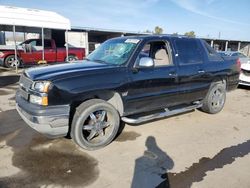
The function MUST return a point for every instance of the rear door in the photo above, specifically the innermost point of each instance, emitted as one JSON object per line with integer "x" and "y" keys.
{"x": 193, "y": 82}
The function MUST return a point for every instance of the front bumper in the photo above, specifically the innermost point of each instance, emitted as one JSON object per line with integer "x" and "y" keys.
{"x": 52, "y": 121}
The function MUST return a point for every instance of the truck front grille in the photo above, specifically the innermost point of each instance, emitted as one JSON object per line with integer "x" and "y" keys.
{"x": 25, "y": 83}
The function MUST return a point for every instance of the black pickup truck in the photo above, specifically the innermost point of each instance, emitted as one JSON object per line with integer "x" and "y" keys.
{"x": 130, "y": 79}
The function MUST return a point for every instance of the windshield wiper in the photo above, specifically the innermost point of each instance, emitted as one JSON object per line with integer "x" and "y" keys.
{"x": 87, "y": 59}
{"x": 99, "y": 61}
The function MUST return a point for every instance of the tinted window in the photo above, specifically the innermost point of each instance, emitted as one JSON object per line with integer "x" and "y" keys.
{"x": 188, "y": 51}
{"x": 39, "y": 43}
{"x": 47, "y": 44}
{"x": 32, "y": 43}
{"x": 210, "y": 50}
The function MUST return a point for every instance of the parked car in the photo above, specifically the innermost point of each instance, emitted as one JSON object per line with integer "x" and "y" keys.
{"x": 132, "y": 79}
{"x": 243, "y": 59}
{"x": 245, "y": 65}
{"x": 30, "y": 52}
{"x": 245, "y": 74}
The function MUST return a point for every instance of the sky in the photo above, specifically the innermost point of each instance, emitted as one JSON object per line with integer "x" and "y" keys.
{"x": 229, "y": 19}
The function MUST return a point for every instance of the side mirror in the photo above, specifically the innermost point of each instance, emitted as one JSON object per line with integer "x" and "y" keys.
{"x": 146, "y": 62}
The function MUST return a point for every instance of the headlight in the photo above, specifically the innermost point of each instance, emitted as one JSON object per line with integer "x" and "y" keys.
{"x": 41, "y": 86}
{"x": 1, "y": 54}
{"x": 39, "y": 100}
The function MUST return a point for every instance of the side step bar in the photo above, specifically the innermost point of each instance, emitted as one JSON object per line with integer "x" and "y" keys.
{"x": 160, "y": 114}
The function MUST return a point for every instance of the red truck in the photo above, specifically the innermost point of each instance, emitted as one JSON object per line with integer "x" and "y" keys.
{"x": 30, "y": 52}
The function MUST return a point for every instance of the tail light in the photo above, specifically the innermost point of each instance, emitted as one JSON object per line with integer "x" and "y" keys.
{"x": 238, "y": 64}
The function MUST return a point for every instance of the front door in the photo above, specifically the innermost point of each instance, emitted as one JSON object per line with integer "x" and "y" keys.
{"x": 155, "y": 87}
{"x": 33, "y": 51}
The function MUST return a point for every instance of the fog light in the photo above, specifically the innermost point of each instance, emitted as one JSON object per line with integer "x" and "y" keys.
{"x": 39, "y": 100}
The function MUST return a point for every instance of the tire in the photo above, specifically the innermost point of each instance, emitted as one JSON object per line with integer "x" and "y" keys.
{"x": 71, "y": 58}
{"x": 95, "y": 124}
{"x": 215, "y": 99}
{"x": 9, "y": 62}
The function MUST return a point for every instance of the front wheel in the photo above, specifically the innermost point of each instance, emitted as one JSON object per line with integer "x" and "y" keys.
{"x": 215, "y": 99}
{"x": 10, "y": 62}
{"x": 95, "y": 124}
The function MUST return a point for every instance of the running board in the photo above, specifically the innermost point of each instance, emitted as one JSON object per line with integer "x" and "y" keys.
{"x": 160, "y": 114}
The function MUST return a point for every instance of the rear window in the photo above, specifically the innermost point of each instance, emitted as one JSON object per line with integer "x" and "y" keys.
{"x": 212, "y": 54}
{"x": 188, "y": 50}
{"x": 210, "y": 50}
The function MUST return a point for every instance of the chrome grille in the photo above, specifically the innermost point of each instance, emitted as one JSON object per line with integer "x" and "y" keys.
{"x": 25, "y": 83}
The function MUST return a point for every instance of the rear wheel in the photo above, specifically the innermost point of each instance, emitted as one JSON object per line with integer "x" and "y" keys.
{"x": 95, "y": 124}
{"x": 215, "y": 99}
{"x": 71, "y": 58}
{"x": 10, "y": 62}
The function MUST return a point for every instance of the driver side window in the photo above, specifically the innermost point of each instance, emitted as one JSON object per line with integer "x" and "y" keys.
{"x": 32, "y": 43}
{"x": 158, "y": 51}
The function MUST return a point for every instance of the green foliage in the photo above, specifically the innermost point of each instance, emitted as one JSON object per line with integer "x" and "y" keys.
{"x": 158, "y": 30}
{"x": 190, "y": 34}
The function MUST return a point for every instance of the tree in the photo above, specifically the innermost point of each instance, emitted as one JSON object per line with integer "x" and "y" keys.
{"x": 148, "y": 31}
{"x": 175, "y": 34}
{"x": 158, "y": 30}
{"x": 190, "y": 34}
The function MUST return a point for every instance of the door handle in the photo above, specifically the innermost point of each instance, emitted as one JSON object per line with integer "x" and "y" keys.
{"x": 172, "y": 74}
{"x": 201, "y": 71}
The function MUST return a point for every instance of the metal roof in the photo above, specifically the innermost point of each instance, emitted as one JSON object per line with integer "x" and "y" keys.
{"x": 108, "y": 30}
{"x": 32, "y": 18}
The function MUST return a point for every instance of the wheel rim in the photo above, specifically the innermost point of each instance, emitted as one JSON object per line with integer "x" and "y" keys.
{"x": 12, "y": 62}
{"x": 218, "y": 99}
{"x": 71, "y": 58}
{"x": 97, "y": 127}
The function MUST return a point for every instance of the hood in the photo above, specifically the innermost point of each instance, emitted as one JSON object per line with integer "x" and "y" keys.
{"x": 53, "y": 72}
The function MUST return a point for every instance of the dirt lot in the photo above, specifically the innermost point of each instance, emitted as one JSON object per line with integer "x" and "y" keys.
{"x": 190, "y": 150}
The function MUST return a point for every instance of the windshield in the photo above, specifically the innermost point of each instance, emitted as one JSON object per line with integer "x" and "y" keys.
{"x": 115, "y": 51}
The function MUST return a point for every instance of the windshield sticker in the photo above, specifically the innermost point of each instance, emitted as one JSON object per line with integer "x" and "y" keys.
{"x": 135, "y": 41}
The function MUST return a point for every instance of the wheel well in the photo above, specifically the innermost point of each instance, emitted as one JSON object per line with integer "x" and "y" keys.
{"x": 73, "y": 55}
{"x": 220, "y": 80}
{"x": 18, "y": 57}
{"x": 111, "y": 97}
{"x": 11, "y": 55}
{"x": 70, "y": 55}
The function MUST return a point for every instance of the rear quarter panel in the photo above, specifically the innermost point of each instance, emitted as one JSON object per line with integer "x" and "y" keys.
{"x": 61, "y": 53}
{"x": 222, "y": 67}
